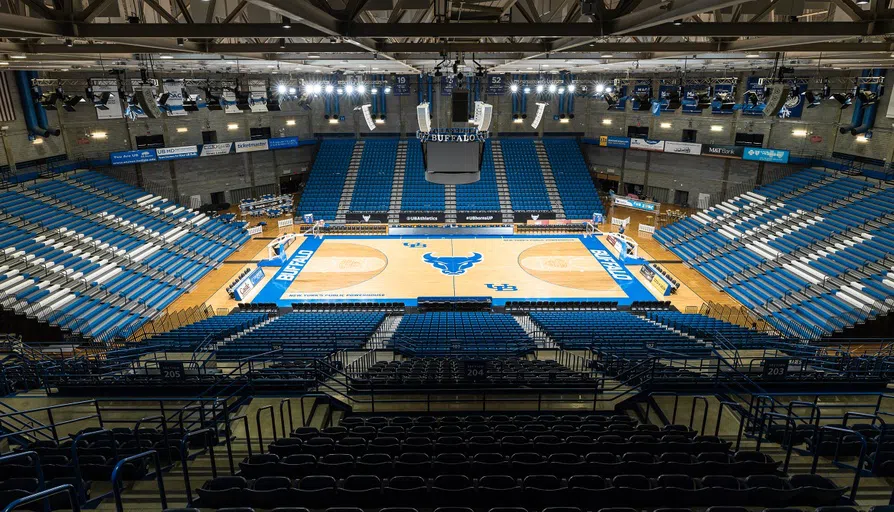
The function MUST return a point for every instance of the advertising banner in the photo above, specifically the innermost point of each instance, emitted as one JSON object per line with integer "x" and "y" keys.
{"x": 106, "y": 94}
{"x": 776, "y": 156}
{"x": 636, "y": 204}
{"x": 222, "y": 148}
{"x": 173, "y": 97}
{"x": 401, "y": 85}
{"x": 282, "y": 143}
{"x": 647, "y": 144}
{"x": 247, "y": 146}
{"x": 682, "y": 148}
{"x": 423, "y": 217}
{"x": 479, "y": 217}
{"x": 610, "y": 141}
{"x": 138, "y": 156}
{"x": 177, "y": 153}
{"x": 248, "y": 283}
{"x": 377, "y": 218}
{"x": 722, "y": 151}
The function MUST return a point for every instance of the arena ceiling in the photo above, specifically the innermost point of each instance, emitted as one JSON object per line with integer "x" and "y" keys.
{"x": 407, "y": 36}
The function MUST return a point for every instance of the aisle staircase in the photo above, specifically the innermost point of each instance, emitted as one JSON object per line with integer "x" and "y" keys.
{"x": 549, "y": 180}
{"x": 450, "y": 204}
{"x": 502, "y": 184}
{"x": 397, "y": 184}
{"x": 348, "y": 191}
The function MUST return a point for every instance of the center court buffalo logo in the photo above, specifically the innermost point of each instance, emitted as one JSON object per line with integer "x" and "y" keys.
{"x": 452, "y": 265}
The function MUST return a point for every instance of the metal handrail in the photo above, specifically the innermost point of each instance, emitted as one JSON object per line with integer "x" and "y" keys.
{"x": 184, "y": 459}
{"x": 272, "y": 425}
{"x": 116, "y": 489}
{"x": 67, "y": 488}
{"x": 857, "y": 469}
{"x": 789, "y": 421}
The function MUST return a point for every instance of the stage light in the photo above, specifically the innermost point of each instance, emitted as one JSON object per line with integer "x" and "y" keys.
{"x": 387, "y": 89}
{"x": 527, "y": 90}
{"x": 513, "y": 88}
{"x": 282, "y": 89}
{"x": 339, "y": 91}
{"x": 844, "y": 99}
{"x": 349, "y": 89}
{"x": 292, "y": 91}
{"x": 286, "y": 22}
{"x": 561, "y": 90}
{"x": 867, "y": 97}
{"x": 282, "y": 43}
{"x": 608, "y": 89}
{"x": 361, "y": 89}
{"x": 678, "y": 22}
{"x": 600, "y": 88}
{"x": 539, "y": 88}
{"x": 329, "y": 88}
{"x": 572, "y": 88}
{"x": 69, "y": 43}
{"x": 374, "y": 90}
{"x": 552, "y": 88}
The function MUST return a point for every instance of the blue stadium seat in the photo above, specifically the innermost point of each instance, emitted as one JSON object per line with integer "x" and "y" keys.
{"x": 524, "y": 176}
{"x": 455, "y": 333}
{"x": 327, "y": 179}
{"x": 372, "y": 191}
{"x": 481, "y": 196}
{"x": 418, "y": 193}
{"x": 576, "y": 189}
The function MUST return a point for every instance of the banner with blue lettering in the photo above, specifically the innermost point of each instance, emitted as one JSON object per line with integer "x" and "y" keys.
{"x": 496, "y": 85}
{"x": 282, "y": 143}
{"x": 138, "y": 156}
{"x": 402, "y": 85}
{"x": 622, "y": 99}
{"x": 753, "y": 85}
{"x": 177, "y": 153}
{"x": 794, "y": 104}
{"x": 776, "y": 156}
{"x": 691, "y": 94}
{"x": 640, "y": 90}
{"x": 724, "y": 99}
{"x": 447, "y": 85}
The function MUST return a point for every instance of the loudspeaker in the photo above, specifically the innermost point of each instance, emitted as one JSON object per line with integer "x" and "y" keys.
{"x": 146, "y": 101}
{"x": 423, "y": 117}
{"x": 776, "y": 99}
{"x": 483, "y": 115}
{"x": 367, "y": 116}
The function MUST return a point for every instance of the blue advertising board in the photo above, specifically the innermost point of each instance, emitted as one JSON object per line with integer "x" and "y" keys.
{"x": 248, "y": 283}
{"x": 282, "y": 143}
{"x": 776, "y": 156}
{"x": 610, "y": 141}
{"x": 138, "y": 156}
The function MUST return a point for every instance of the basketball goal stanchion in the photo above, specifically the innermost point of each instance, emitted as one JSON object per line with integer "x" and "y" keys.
{"x": 277, "y": 248}
{"x": 315, "y": 229}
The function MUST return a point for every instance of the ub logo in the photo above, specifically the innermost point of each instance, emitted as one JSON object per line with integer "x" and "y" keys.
{"x": 452, "y": 265}
{"x": 414, "y": 245}
{"x": 502, "y": 287}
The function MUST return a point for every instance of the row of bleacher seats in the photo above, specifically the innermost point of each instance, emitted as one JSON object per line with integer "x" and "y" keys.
{"x": 483, "y": 195}
{"x": 305, "y": 334}
{"x": 419, "y": 194}
{"x": 372, "y": 190}
{"x": 576, "y": 189}
{"x": 209, "y": 227}
{"x": 524, "y": 176}
{"x": 531, "y": 508}
{"x": 809, "y": 253}
{"x": 450, "y": 332}
{"x": 209, "y": 330}
{"x": 327, "y": 179}
{"x": 708, "y": 329}
{"x": 616, "y": 332}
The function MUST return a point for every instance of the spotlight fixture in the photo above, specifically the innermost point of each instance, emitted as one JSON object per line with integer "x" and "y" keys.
{"x": 610, "y": 98}
{"x": 844, "y": 99}
{"x": 387, "y": 89}
{"x": 329, "y": 88}
{"x": 527, "y": 90}
{"x": 513, "y": 88}
{"x": 539, "y": 88}
{"x": 286, "y": 23}
{"x": 282, "y": 43}
{"x": 349, "y": 89}
{"x": 361, "y": 89}
{"x": 572, "y": 88}
{"x": 69, "y": 43}
{"x": 552, "y": 88}
{"x": 678, "y": 22}
{"x": 812, "y": 99}
{"x": 600, "y": 88}
{"x": 282, "y": 89}
{"x": 561, "y": 90}
{"x": 867, "y": 97}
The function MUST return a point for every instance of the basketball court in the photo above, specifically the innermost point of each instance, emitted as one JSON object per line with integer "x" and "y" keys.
{"x": 392, "y": 268}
